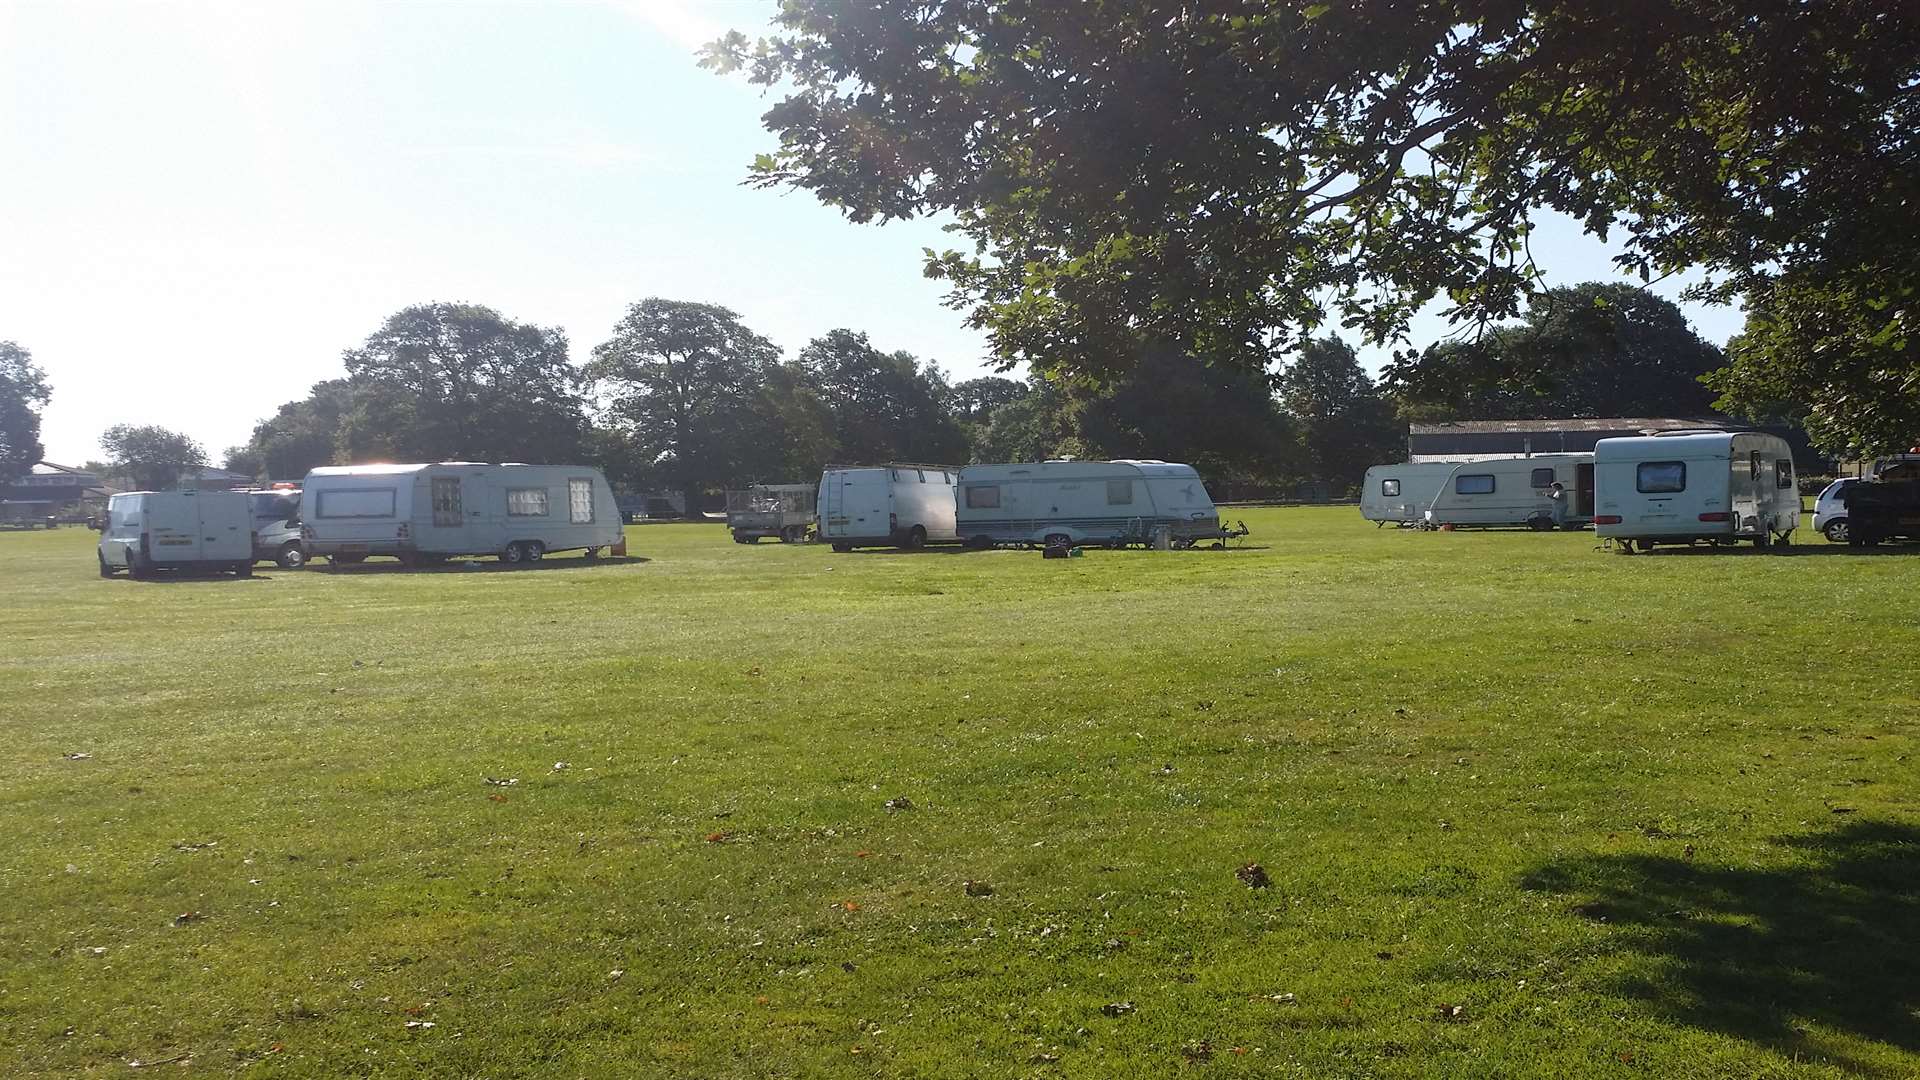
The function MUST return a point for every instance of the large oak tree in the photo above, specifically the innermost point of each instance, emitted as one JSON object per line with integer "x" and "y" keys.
{"x": 1227, "y": 176}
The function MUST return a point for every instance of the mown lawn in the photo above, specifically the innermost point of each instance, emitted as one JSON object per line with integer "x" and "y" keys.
{"x": 1524, "y": 809}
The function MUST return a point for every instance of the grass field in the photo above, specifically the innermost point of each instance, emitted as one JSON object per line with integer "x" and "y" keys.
{"x": 1524, "y": 809}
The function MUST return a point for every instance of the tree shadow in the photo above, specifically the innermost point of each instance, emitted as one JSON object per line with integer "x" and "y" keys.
{"x": 1791, "y": 551}
{"x": 1831, "y": 937}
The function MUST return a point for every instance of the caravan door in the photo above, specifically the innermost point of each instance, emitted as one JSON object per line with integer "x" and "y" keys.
{"x": 1744, "y": 489}
{"x": 455, "y": 502}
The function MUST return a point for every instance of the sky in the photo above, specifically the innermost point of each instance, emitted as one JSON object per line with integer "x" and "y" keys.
{"x": 202, "y": 204}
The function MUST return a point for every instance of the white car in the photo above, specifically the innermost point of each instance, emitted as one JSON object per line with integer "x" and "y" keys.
{"x": 1830, "y": 513}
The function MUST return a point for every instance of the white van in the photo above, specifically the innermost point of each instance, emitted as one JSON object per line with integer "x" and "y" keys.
{"x": 1488, "y": 492}
{"x": 423, "y": 514}
{"x": 147, "y": 531}
{"x": 276, "y": 527}
{"x": 897, "y": 505}
{"x": 1070, "y": 503}
{"x": 1722, "y": 486}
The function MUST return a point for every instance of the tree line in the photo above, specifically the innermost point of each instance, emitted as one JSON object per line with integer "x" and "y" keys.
{"x": 686, "y": 397}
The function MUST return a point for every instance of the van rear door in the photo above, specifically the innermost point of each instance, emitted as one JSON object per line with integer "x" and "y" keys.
{"x": 226, "y": 527}
{"x": 171, "y": 522}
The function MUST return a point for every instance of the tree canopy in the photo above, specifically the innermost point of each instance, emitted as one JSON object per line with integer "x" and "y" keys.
{"x": 1346, "y": 424}
{"x": 885, "y": 406}
{"x": 681, "y": 383}
{"x": 150, "y": 457}
{"x": 23, "y": 393}
{"x": 301, "y": 435}
{"x": 460, "y": 381}
{"x": 1597, "y": 349}
{"x": 1228, "y": 177}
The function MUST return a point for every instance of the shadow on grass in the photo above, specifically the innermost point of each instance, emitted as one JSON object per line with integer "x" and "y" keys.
{"x": 475, "y": 566}
{"x": 1832, "y": 938}
{"x": 1791, "y": 551}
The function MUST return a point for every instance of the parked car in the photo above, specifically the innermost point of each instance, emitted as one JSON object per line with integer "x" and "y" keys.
{"x": 276, "y": 527}
{"x": 1887, "y": 504}
{"x": 1830, "y": 510}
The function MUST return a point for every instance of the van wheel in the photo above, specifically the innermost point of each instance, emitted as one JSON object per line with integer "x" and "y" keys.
{"x": 979, "y": 543}
{"x": 243, "y": 569}
{"x": 1540, "y": 524}
{"x": 535, "y": 550}
{"x": 916, "y": 538}
{"x": 105, "y": 570}
{"x": 346, "y": 560}
{"x": 1764, "y": 540}
{"x": 291, "y": 556}
{"x": 1836, "y": 531}
{"x": 515, "y": 553}
{"x": 138, "y": 567}
{"x": 842, "y": 549}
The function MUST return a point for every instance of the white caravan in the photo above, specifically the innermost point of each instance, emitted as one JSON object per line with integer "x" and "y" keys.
{"x": 428, "y": 513}
{"x": 1491, "y": 491}
{"x": 1723, "y": 486}
{"x": 896, "y": 505}
{"x": 1061, "y": 503}
{"x": 177, "y": 530}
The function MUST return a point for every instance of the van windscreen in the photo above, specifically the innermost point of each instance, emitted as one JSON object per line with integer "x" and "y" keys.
{"x": 355, "y": 503}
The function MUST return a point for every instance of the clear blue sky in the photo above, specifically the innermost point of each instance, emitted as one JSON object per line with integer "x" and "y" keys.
{"x": 202, "y": 203}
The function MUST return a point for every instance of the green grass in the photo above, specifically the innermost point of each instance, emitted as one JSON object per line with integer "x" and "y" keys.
{"x": 1527, "y": 809}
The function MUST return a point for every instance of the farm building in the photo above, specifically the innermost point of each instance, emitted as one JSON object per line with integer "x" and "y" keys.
{"x": 1475, "y": 440}
{"x": 50, "y": 490}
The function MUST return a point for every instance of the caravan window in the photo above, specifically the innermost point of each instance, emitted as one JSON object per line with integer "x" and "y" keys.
{"x": 1753, "y": 466}
{"x": 1390, "y": 488}
{"x": 1476, "y": 484}
{"x": 1542, "y": 478}
{"x": 356, "y": 503}
{"x": 1119, "y": 493}
{"x": 1660, "y": 477}
{"x": 983, "y": 497}
{"x": 526, "y": 502}
{"x": 580, "y": 500}
{"x": 1783, "y": 474}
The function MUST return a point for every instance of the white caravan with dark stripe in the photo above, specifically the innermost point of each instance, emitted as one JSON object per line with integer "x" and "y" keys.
{"x": 1099, "y": 503}
{"x": 1721, "y": 486}
{"x": 1490, "y": 492}
{"x": 422, "y": 514}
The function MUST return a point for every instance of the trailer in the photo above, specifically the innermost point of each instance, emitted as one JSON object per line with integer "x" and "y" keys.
{"x": 1540, "y": 491}
{"x": 896, "y": 505}
{"x": 427, "y": 513}
{"x": 785, "y": 511}
{"x": 148, "y": 531}
{"x": 1687, "y": 486}
{"x": 1069, "y": 504}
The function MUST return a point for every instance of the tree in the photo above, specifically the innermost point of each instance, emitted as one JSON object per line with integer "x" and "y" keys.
{"x": 1226, "y": 177}
{"x": 23, "y": 393}
{"x": 442, "y": 382}
{"x": 975, "y": 399}
{"x": 793, "y": 429}
{"x": 1346, "y": 424}
{"x": 303, "y": 435}
{"x": 1034, "y": 427}
{"x": 1845, "y": 367}
{"x": 681, "y": 381}
{"x": 149, "y": 457}
{"x": 243, "y": 459}
{"x": 1219, "y": 418}
{"x": 885, "y": 406}
{"x": 1596, "y": 349}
